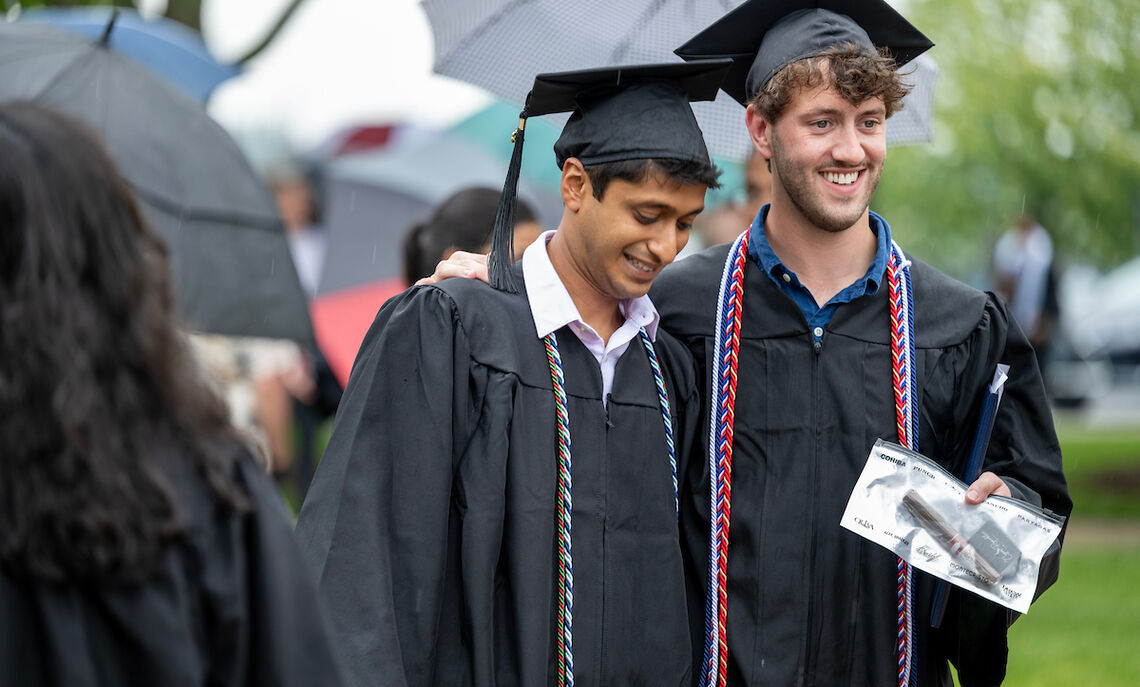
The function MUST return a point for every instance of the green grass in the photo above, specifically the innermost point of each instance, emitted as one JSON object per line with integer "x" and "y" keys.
{"x": 1101, "y": 465}
{"x": 1085, "y": 630}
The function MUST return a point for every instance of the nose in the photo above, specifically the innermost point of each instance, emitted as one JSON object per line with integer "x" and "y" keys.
{"x": 848, "y": 148}
{"x": 666, "y": 242}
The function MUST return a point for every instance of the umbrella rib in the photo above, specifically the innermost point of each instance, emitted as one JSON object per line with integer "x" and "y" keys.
{"x": 647, "y": 14}
{"x": 441, "y": 63}
{"x": 62, "y": 73}
{"x": 251, "y": 221}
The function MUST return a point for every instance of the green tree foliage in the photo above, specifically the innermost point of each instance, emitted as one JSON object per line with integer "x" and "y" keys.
{"x": 1036, "y": 109}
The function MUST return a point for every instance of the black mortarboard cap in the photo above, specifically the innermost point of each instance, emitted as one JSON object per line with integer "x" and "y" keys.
{"x": 619, "y": 113}
{"x": 763, "y": 36}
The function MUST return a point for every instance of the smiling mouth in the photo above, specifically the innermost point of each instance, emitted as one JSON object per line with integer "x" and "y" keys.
{"x": 841, "y": 178}
{"x": 639, "y": 265}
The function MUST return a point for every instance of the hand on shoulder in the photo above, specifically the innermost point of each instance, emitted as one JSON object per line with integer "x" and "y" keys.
{"x": 461, "y": 264}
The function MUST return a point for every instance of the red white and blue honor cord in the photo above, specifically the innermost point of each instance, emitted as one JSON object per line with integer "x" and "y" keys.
{"x": 564, "y": 621}
{"x": 903, "y": 374}
{"x": 726, "y": 347}
{"x": 726, "y": 344}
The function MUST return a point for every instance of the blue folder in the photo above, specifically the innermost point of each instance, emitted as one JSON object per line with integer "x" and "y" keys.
{"x": 974, "y": 468}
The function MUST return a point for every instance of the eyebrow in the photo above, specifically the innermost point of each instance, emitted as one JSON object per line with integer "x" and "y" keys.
{"x": 878, "y": 110}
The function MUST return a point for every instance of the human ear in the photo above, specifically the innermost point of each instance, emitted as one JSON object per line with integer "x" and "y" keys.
{"x": 575, "y": 185}
{"x": 759, "y": 130}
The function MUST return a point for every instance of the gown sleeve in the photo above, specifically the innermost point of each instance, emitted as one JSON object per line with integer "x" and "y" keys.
{"x": 289, "y": 638}
{"x": 374, "y": 526}
{"x": 1023, "y": 451}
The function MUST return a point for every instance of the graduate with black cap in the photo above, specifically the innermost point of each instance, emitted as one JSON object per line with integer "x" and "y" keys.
{"x": 498, "y": 501}
{"x": 837, "y": 338}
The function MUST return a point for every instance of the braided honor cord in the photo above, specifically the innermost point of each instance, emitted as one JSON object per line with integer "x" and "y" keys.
{"x": 727, "y": 345}
{"x": 906, "y": 419}
{"x": 729, "y": 310}
{"x": 663, "y": 399}
{"x": 564, "y": 630}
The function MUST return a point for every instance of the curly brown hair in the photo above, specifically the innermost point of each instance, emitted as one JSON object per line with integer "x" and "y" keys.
{"x": 99, "y": 393}
{"x": 857, "y": 76}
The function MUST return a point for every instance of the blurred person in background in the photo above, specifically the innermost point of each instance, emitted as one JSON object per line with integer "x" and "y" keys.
{"x": 1024, "y": 277}
{"x": 463, "y": 222}
{"x": 295, "y": 196}
{"x": 140, "y": 544}
{"x": 257, "y": 378}
{"x": 305, "y": 393}
{"x": 724, "y": 224}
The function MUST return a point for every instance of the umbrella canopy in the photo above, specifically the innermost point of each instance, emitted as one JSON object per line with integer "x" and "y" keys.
{"x": 914, "y": 123}
{"x": 501, "y": 45}
{"x": 369, "y": 201}
{"x": 356, "y": 139}
{"x": 232, "y": 269}
{"x": 172, "y": 50}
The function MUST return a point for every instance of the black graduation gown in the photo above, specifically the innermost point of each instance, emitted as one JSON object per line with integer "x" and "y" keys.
{"x": 430, "y": 520}
{"x": 232, "y": 604}
{"x": 811, "y": 603}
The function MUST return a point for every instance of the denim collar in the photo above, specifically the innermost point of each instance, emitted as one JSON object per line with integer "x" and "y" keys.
{"x": 762, "y": 254}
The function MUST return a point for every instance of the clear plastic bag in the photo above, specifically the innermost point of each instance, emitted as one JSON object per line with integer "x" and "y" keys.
{"x": 911, "y": 505}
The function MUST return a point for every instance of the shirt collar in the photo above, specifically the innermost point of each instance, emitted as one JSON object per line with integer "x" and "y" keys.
{"x": 761, "y": 252}
{"x": 550, "y": 304}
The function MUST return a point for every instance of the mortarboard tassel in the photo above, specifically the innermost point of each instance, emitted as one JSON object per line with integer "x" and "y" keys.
{"x": 502, "y": 242}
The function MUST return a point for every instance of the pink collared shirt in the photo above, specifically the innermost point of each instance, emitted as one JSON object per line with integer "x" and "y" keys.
{"x": 552, "y": 308}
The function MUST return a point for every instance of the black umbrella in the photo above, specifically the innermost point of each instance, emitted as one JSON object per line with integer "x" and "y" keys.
{"x": 232, "y": 269}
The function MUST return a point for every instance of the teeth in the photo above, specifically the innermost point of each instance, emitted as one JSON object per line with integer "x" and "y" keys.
{"x": 844, "y": 179}
{"x": 638, "y": 264}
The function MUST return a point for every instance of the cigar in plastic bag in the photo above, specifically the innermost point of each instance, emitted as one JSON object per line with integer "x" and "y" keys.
{"x": 949, "y": 538}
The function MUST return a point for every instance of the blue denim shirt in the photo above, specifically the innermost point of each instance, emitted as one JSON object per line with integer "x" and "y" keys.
{"x": 817, "y": 317}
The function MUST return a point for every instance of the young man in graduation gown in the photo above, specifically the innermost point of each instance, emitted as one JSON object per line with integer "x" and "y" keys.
{"x": 822, "y": 293}
{"x": 498, "y": 501}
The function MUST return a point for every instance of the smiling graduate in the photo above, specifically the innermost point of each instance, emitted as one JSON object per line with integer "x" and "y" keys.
{"x": 498, "y": 501}
{"x": 839, "y": 338}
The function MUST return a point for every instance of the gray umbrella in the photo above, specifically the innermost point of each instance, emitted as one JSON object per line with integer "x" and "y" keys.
{"x": 232, "y": 269}
{"x": 501, "y": 44}
{"x": 372, "y": 198}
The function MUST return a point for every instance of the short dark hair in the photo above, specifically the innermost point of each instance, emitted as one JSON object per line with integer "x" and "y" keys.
{"x": 684, "y": 172}
{"x": 857, "y": 76}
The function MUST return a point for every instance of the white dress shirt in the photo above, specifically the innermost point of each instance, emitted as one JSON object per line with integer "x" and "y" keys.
{"x": 552, "y": 308}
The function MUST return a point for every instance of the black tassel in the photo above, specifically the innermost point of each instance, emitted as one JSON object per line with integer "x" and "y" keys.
{"x": 502, "y": 243}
